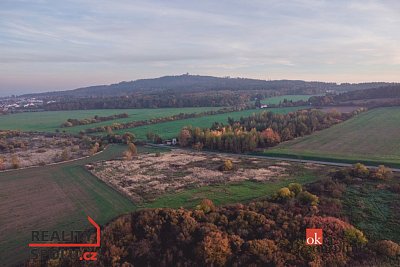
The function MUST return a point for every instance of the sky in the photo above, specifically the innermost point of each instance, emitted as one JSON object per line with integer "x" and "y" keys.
{"x": 49, "y": 45}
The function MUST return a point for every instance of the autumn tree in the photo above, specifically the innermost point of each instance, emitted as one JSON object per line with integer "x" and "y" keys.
{"x": 270, "y": 137}
{"x": 15, "y": 162}
{"x": 215, "y": 248}
{"x": 132, "y": 148}
{"x": 263, "y": 250}
{"x": 94, "y": 149}
{"x": 206, "y": 205}
{"x": 2, "y": 161}
{"x": 360, "y": 170}
{"x": 130, "y": 152}
{"x": 388, "y": 248}
{"x": 185, "y": 137}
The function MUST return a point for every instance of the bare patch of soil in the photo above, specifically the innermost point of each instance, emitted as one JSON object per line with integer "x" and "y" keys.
{"x": 20, "y": 150}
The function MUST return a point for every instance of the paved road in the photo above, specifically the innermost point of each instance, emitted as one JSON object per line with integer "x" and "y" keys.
{"x": 275, "y": 158}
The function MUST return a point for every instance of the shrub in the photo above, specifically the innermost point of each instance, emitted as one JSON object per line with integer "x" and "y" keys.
{"x": 308, "y": 198}
{"x": 382, "y": 173}
{"x": 65, "y": 155}
{"x": 355, "y": 236}
{"x": 206, "y": 206}
{"x": 284, "y": 193}
{"x": 75, "y": 148}
{"x": 296, "y": 188}
{"x": 15, "y": 163}
{"x": 94, "y": 149}
{"x": 360, "y": 170}
{"x": 227, "y": 165}
{"x": 341, "y": 175}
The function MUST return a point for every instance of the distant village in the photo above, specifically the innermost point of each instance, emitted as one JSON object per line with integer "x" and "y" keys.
{"x": 17, "y": 104}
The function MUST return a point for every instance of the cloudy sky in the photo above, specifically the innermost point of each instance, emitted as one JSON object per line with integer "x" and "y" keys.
{"x": 64, "y": 44}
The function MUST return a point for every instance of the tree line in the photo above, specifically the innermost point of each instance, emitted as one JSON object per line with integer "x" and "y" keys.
{"x": 260, "y": 130}
{"x": 95, "y": 119}
{"x": 374, "y": 97}
{"x": 161, "y": 100}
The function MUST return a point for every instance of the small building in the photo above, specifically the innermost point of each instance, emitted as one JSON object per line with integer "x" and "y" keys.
{"x": 263, "y": 106}
{"x": 170, "y": 142}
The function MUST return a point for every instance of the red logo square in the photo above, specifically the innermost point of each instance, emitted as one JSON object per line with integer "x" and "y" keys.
{"x": 314, "y": 237}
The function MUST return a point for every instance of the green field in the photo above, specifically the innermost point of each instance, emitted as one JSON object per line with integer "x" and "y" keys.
{"x": 229, "y": 193}
{"x": 54, "y": 197}
{"x": 49, "y": 121}
{"x": 172, "y": 128}
{"x": 277, "y": 99}
{"x": 372, "y": 137}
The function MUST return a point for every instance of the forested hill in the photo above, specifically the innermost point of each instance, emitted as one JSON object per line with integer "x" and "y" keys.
{"x": 392, "y": 91}
{"x": 196, "y": 83}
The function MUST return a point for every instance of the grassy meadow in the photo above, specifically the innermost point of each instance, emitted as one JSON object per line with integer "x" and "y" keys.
{"x": 172, "y": 128}
{"x": 278, "y": 99}
{"x": 49, "y": 121}
{"x": 223, "y": 194}
{"x": 374, "y": 210}
{"x": 372, "y": 137}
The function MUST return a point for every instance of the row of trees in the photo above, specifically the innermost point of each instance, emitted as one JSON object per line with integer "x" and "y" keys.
{"x": 180, "y": 116}
{"x": 95, "y": 119}
{"x": 264, "y": 129}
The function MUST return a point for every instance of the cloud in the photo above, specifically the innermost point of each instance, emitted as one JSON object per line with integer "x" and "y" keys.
{"x": 255, "y": 38}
